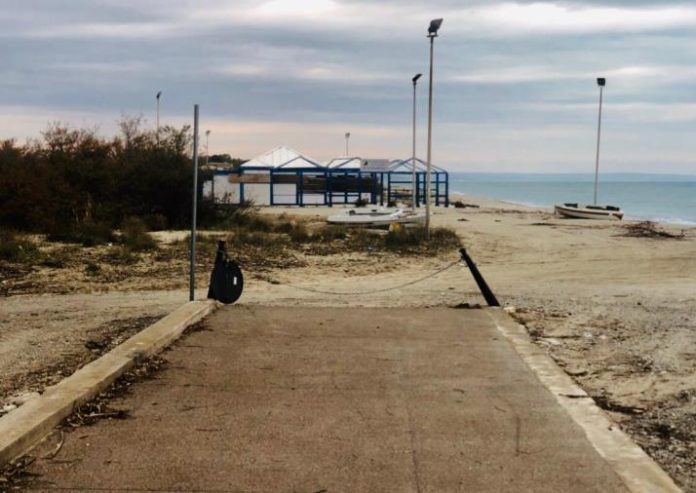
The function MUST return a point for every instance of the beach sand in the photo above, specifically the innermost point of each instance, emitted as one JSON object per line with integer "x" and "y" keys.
{"x": 618, "y": 313}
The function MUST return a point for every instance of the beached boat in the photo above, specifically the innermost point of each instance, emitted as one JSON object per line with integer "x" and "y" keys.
{"x": 577, "y": 211}
{"x": 376, "y": 217}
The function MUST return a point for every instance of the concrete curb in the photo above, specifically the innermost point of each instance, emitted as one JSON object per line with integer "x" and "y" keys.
{"x": 23, "y": 428}
{"x": 636, "y": 469}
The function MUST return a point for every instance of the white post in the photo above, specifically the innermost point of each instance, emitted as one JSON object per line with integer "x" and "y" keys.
{"x": 192, "y": 269}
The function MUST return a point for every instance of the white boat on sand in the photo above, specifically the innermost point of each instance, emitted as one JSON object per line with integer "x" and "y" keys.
{"x": 377, "y": 217}
{"x": 577, "y": 211}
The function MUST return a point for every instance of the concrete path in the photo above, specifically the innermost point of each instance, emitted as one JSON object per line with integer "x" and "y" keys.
{"x": 334, "y": 399}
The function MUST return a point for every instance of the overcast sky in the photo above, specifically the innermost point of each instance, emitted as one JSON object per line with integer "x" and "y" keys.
{"x": 514, "y": 81}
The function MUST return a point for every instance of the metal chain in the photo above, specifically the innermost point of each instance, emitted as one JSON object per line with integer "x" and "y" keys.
{"x": 381, "y": 290}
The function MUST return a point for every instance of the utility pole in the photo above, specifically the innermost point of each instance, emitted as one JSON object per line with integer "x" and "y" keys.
{"x": 159, "y": 94}
{"x": 192, "y": 269}
{"x": 414, "y": 182}
{"x": 432, "y": 34}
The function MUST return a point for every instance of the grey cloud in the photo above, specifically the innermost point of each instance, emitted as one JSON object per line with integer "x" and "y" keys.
{"x": 300, "y": 73}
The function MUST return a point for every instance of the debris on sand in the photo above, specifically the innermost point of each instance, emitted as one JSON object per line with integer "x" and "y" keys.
{"x": 649, "y": 229}
{"x": 458, "y": 204}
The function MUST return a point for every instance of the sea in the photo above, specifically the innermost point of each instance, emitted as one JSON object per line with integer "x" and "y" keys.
{"x": 655, "y": 197}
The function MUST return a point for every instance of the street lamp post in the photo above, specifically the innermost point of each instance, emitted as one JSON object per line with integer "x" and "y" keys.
{"x": 159, "y": 93}
{"x": 601, "y": 82}
{"x": 207, "y": 147}
{"x": 347, "y": 137}
{"x": 207, "y": 164}
{"x": 432, "y": 34}
{"x": 414, "y": 184}
{"x": 194, "y": 214}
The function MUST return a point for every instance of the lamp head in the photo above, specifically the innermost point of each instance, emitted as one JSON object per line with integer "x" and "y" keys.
{"x": 601, "y": 81}
{"x": 416, "y": 77}
{"x": 159, "y": 93}
{"x": 434, "y": 27}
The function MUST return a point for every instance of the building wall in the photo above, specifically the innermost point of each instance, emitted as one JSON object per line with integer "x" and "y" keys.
{"x": 224, "y": 190}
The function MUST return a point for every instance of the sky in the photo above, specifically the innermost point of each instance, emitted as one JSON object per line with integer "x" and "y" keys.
{"x": 514, "y": 82}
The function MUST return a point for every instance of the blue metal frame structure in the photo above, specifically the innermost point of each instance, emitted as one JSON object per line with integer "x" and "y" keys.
{"x": 384, "y": 187}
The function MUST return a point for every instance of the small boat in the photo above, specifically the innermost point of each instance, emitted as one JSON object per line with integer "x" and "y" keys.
{"x": 577, "y": 211}
{"x": 376, "y": 217}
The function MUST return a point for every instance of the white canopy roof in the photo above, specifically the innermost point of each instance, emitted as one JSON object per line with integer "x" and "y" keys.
{"x": 345, "y": 163}
{"x": 282, "y": 157}
{"x": 407, "y": 165}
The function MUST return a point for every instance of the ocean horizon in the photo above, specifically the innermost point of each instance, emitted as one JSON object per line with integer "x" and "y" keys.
{"x": 665, "y": 198}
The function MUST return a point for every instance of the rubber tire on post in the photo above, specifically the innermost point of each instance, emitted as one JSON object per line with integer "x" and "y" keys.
{"x": 227, "y": 282}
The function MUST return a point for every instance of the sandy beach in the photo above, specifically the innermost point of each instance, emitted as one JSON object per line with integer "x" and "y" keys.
{"x": 618, "y": 313}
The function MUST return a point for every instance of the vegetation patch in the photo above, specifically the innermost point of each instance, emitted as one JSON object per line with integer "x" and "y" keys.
{"x": 14, "y": 248}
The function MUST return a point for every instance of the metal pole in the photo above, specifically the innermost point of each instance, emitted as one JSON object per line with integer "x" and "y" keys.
{"x": 347, "y": 137}
{"x": 192, "y": 269}
{"x": 599, "y": 133}
{"x": 207, "y": 147}
{"x": 207, "y": 164}
{"x": 158, "y": 115}
{"x": 413, "y": 154}
{"x": 430, "y": 136}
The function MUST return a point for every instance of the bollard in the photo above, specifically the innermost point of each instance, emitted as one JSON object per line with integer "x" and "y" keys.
{"x": 483, "y": 286}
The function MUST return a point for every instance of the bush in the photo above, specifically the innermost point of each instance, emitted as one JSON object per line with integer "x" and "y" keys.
{"x": 87, "y": 234}
{"x": 135, "y": 237}
{"x": 299, "y": 233}
{"x": 332, "y": 232}
{"x": 242, "y": 236}
{"x": 14, "y": 249}
{"x": 403, "y": 239}
{"x": 155, "y": 222}
{"x": 72, "y": 178}
{"x": 361, "y": 202}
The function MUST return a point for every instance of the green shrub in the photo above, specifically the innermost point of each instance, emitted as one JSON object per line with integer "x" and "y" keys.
{"x": 405, "y": 239}
{"x": 361, "y": 202}
{"x": 135, "y": 237}
{"x": 332, "y": 232}
{"x": 242, "y": 236}
{"x": 283, "y": 226}
{"x": 14, "y": 249}
{"x": 155, "y": 222}
{"x": 299, "y": 233}
{"x": 60, "y": 258}
{"x": 87, "y": 234}
{"x": 120, "y": 255}
{"x": 92, "y": 268}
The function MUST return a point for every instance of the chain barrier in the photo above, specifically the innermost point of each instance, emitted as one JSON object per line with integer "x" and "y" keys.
{"x": 381, "y": 290}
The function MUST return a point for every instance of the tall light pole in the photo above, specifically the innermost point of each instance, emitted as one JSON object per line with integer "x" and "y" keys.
{"x": 601, "y": 82}
{"x": 159, "y": 93}
{"x": 194, "y": 214}
{"x": 414, "y": 185}
{"x": 207, "y": 147}
{"x": 207, "y": 163}
{"x": 432, "y": 34}
{"x": 347, "y": 137}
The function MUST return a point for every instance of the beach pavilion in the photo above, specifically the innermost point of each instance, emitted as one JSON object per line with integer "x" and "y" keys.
{"x": 284, "y": 176}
